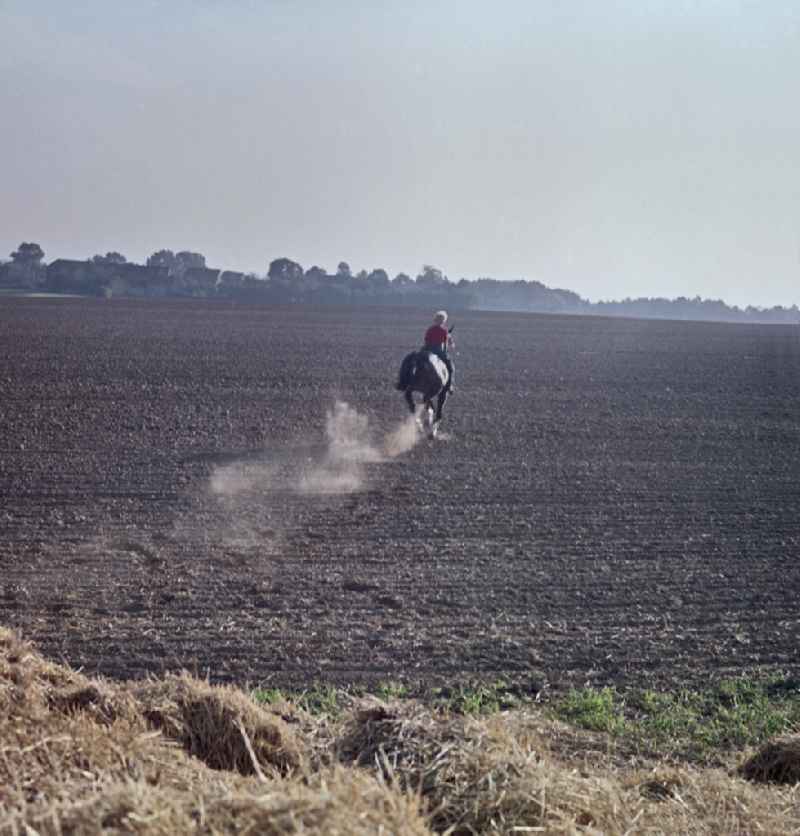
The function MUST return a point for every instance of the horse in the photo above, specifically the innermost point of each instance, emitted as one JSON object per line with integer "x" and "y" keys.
{"x": 424, "y": 372}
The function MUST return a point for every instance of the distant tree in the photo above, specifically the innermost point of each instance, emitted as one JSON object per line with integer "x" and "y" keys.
{"x": 402, "y": 280}
{"x": 315, "y": 274}
{"x": 185, "y": 259}
{"x": 285, "y": 269}
{"x": 163, "y": 258}
{"x": 176, "y": 263}
{"x": 28, "y": 255}
{"x": 26, "y": 262}
{"x": 431, "y": 277}
{"x": 343, "y": 270}
{"x": 379, "y": 278}
{"x": 109, "y": 258}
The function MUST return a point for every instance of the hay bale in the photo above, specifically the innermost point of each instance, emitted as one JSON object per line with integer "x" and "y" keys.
{"x": 706, "y": 801}
{"x": 336, "y": 802}
{"x": 777, "y": 762}
{"x": 19, "y": 665}
{"x": 397, "y": 737}
{"x": 111, "y": 806}
{"x": 477, "y": 774}
{"x": 103, "y": 702}
{"x": 220, "y": 725}
{"x": 31, "y": 684}
{"x": 28, "y": 682}
{"x": 11, "y": 647}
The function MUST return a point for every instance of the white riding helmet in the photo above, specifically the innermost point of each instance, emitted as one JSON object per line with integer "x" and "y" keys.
{"x": 440, "y": 317}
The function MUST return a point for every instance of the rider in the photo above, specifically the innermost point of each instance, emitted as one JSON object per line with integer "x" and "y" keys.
{"x": 438, "y": 340}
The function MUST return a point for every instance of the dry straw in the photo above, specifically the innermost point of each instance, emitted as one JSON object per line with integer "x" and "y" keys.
{"x": 334, "y": 803}
{"x": 84, "y": 756}
{"x": 220, "y": 725}
{"x": 476, "y": 776}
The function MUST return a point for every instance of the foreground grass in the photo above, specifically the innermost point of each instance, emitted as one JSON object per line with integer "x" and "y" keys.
{"x": 179, "y": 755}
{"x": 484, "y": 698}
{"x": 687, "y": 725}
{"x": 691, "y": 725}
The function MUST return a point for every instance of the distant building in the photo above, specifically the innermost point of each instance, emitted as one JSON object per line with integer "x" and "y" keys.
{"x": 138, "y": 280}
{"x": 242, "y": 287}
{"x": 87, "y": 278}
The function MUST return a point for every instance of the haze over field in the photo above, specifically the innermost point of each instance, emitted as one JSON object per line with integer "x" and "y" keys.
{"x": 615, "y": 149}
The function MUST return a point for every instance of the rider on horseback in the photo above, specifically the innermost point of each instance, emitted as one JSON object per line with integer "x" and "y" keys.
{"x": 438, "y": 340}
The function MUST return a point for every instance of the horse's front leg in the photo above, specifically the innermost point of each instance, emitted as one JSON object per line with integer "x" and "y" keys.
{"x": 410, "y": 400}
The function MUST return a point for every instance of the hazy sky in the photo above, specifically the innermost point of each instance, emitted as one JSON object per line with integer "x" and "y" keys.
{"x": 614, "y": 148}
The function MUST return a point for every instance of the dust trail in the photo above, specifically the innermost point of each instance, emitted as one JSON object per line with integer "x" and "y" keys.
{"x": 234, "y": 479}
{"x": 349, "y": 436}
{"x": 402, "y": 439}
{"x": 340, "y": 468}
{"x": 349, "y": 449}
{"x": 240, "y": 520}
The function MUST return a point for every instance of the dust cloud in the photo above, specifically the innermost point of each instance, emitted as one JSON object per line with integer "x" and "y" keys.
{"x": 233, "y": 479}
{"x": 340, "y": 467}
{"x": 402, "y": 439}
{"x": 239, "y": 519}
{"x": 348, "y": 436}
{"x": 349, "y": 448}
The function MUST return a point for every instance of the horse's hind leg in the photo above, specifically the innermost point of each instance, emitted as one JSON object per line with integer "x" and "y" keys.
{"x": 427, "y": 421}
{"x": 410, "y": 400}
{"x": 440, "y": 404}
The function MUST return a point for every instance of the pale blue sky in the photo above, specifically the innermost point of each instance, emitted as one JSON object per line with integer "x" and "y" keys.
{"x": 614, "y": 148}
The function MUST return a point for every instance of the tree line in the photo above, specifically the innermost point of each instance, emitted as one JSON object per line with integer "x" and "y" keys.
{"x": 185, "y": 273}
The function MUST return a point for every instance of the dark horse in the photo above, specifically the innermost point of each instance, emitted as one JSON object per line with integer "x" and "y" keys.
{"x": 424, "y": 372}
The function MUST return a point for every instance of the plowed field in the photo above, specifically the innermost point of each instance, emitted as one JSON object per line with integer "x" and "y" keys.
{"x": 233, "y": 491}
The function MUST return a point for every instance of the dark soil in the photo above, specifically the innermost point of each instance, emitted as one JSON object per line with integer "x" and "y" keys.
{"x": 612, "y": 501}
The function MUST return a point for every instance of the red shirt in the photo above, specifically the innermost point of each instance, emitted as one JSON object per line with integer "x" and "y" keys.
{"x": 437, "y": 335}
